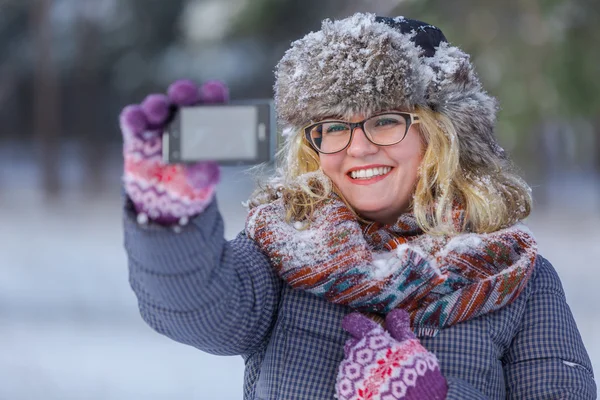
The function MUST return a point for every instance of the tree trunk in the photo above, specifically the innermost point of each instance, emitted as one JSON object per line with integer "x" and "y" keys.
{"x": 87, "y": 115}
{"x": 46, "y": 123}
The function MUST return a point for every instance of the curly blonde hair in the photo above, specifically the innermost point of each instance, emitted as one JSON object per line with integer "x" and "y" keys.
{"x": 492, "y": 196}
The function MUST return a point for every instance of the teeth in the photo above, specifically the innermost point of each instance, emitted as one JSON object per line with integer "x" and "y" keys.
{"x": 369, "y": 172}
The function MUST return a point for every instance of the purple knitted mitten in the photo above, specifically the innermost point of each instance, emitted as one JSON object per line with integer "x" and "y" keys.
{"x": 387, "y": 365}
{"x": 166, "y": 194}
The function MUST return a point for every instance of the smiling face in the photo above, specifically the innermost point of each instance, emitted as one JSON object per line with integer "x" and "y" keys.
{"x": 377, "y": 181}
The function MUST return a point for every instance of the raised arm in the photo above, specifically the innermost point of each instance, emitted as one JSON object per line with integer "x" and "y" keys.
{"x": 199, "y": 289}
{"x": 192, "y": 285}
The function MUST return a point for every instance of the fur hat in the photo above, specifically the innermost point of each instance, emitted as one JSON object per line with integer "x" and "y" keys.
{"x": 364, "y": 64}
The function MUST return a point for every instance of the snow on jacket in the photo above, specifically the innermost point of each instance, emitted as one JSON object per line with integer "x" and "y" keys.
{"x": 224, "y": 298}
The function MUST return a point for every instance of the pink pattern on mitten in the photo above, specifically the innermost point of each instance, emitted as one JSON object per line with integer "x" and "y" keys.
{"x": 166, "y": 193}
{"x": 387, "y": 365}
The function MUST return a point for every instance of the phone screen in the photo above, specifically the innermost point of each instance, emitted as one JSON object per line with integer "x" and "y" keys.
{"x": 219, "y": 133}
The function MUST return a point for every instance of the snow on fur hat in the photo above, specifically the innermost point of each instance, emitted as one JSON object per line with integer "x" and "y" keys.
{"x": 364, "y": 64}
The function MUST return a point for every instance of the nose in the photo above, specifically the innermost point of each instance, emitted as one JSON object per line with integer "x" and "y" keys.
{"x": 360, "y": 146}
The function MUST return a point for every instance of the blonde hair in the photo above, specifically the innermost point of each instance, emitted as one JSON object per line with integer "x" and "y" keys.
{"x": 491, "y": 196}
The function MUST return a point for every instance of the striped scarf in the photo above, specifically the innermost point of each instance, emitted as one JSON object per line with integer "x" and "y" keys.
{"x": 374, "y": 268}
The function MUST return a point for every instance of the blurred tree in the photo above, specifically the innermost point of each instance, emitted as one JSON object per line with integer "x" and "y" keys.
{"x": 88, "y": 83}
{"x": 60, "y": 56}
{"x": 46, "y": 97}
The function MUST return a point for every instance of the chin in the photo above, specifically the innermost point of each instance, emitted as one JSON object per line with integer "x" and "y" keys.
{"x": 372, "y": 205}
{"x": 366, "y": 207}
{"x": 373, "y": 213}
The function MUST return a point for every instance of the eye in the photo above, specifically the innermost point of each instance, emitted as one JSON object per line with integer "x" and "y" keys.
{"x": 333, "y": 128}
{"x": 387, "y": 121}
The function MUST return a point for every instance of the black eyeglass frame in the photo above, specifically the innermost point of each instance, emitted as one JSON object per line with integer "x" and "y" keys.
{"x": 410, "y": 118}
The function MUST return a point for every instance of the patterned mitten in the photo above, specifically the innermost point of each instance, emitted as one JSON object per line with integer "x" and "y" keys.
{"x": 173, "y": 193}
{"x": 387, "y": 365}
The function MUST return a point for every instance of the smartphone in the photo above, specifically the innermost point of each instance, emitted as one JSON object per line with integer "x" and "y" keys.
{"x": 241, "y": 133}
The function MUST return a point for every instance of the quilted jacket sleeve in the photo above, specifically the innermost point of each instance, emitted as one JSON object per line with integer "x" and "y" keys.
{"x": 200, "y": 289}
{"x": 547, "y": 358}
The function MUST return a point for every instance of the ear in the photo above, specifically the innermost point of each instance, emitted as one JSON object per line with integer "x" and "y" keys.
{"x": 397, "y": 322}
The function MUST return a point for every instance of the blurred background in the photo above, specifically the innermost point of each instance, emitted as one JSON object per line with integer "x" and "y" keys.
{"x": 69, "y": 327}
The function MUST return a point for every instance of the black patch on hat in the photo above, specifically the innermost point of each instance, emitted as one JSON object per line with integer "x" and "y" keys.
{"x": 426, "y": 36}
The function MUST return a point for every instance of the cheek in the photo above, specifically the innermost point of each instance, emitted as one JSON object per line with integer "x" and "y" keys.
{"x": 412, "y": 155}
{"x": 331, "y": 165}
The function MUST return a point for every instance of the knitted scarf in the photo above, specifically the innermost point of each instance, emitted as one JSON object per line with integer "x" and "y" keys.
{"x": 439, "y": 280}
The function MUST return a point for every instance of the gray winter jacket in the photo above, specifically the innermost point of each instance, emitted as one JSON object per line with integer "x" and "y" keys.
{"x": 223, "y": 297}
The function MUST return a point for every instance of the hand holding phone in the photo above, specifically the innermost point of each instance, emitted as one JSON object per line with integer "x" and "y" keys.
{"x": 166, "y": 194}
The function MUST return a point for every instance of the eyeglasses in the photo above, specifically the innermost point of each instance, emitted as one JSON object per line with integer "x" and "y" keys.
{"x": 333, "y": 136}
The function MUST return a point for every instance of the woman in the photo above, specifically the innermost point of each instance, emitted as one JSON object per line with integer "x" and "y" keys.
{"x": 393, "y": 199}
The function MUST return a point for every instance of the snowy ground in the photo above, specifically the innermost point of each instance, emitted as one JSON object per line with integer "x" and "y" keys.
{"x": 69, "y": 327}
